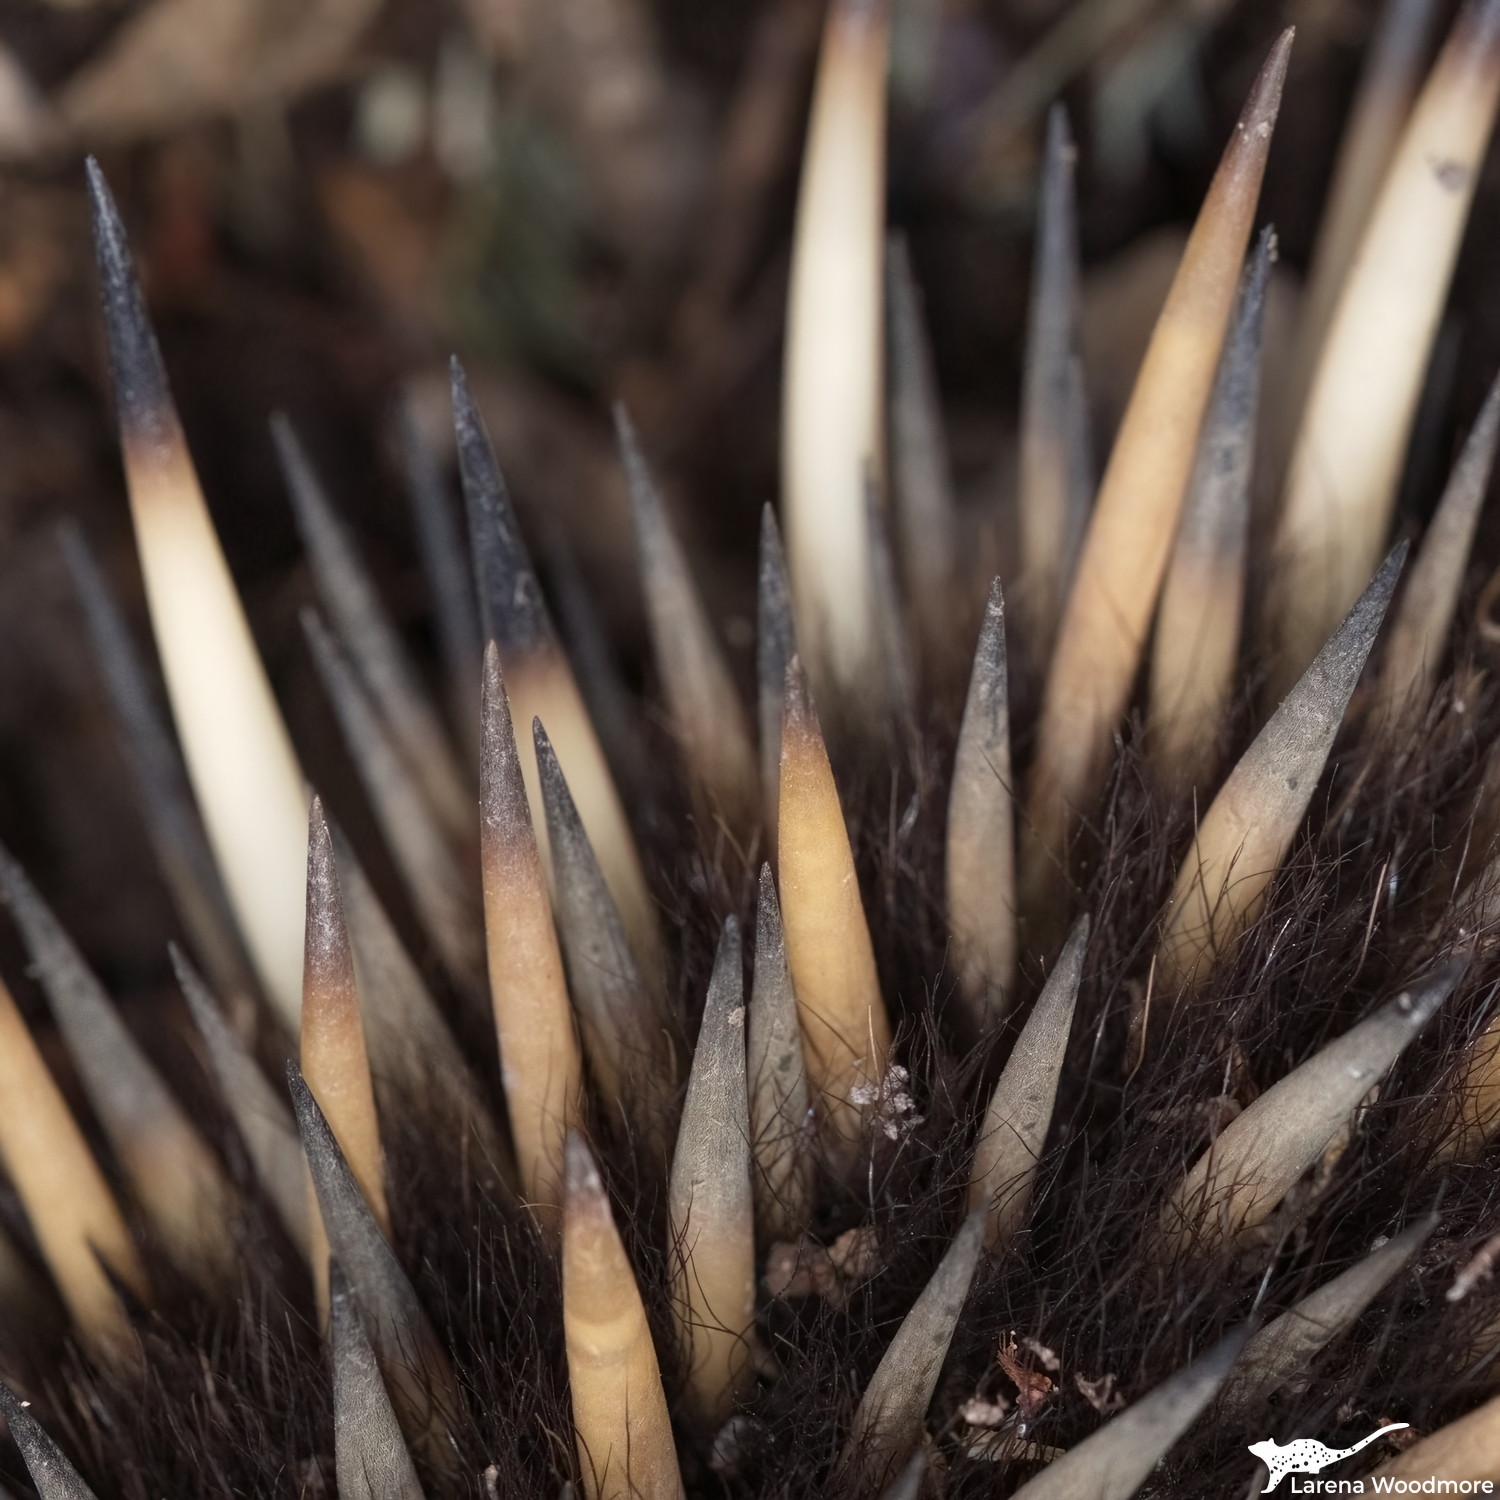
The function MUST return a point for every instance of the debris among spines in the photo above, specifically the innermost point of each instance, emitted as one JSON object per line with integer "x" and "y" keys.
{"x": 365, "y": 630}
{"x": 173, "y": 1175}
{"x": 707, "y": 719}
{"x": 1251, "y": 823}
{"x": 846, "y": 1034}
{"x": 72, "y": 1214}
{"x": 264, "y": 1122}
{"x": 334, "y": 1063}
{"x": 240, "y": 760}
{"x": 370, "y": 1457}
{"x": 1015, "y": 1125}
{"x": 779, "y": 1122}
{"x": 620, "y": 1421}
{"x": 1423, "y": 616}
{"x": 1392, "y": 75}
{"x": 54, "y": 1477}
{"x": 450, "y": 580}
{"x": 172, "y": 822}
{"x": 1241, "y": 1178}
{"x": 625, "y": 1039}
{"x": 887, "y": 1425}
{"x": 430, "y": 869}
{"x": 775, "y": 646}
{"x": 1114, "y": 1462}
{"x": 1055, "y": 489}
{"x": 710, "y": 1200}
{"x": 540, "y": 682}
{"x": 981, "y": 844}
{"x": 539, "y": 1055}
{"x": 1336, "y": 512}
{"x": 416, "y": 1369}
{"x": 921, "y": 486}
{"x": 832, "y": 383}
{"x": 1283, "y": 1352}
{"x": 1197, "y": 638}
{"x": 1129, "y": 537}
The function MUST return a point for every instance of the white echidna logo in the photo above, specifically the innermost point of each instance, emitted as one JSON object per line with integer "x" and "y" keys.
{"x": 1307, "y": 1455}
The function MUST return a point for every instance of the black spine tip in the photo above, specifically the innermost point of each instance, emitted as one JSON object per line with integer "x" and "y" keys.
{"x": 141, "y": 392}
{"x": 55, "y": 1478}
{"x": 549, "y": 768}
{"x": 512, "y": 610}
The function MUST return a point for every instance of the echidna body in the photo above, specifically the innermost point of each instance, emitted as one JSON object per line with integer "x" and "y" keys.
{"x": 1077, "y": 1116}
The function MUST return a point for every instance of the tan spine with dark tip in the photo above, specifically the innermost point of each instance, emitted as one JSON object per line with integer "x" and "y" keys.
{"x": 239, "y": 757}
{"x": 334, "y": 1061}
{"x": 70, "y": 1209}
{"x": 846, "y": 1034}
{"x": 1130, "y": 533}
{"x": 623, "y": 1432}
{"x": 539, "y": 1056}
{"x": 540, "y": 682}
{"x": 173, "y": 1175}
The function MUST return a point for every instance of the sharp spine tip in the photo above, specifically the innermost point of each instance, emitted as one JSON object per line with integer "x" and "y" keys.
{"x": 142, "y": 395}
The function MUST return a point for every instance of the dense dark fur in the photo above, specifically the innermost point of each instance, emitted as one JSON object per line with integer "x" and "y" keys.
{"x": 237, "y": 1398}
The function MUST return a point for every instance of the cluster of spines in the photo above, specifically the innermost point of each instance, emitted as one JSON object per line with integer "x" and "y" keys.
{"x": 796, "y": 1084}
